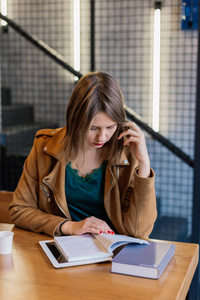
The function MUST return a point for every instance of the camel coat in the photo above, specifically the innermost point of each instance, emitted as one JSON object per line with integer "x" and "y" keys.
{"x": 40, "y": 205}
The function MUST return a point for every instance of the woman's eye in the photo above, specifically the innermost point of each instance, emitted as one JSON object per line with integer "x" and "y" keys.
{"x": 112, "y": 127}
{"x": 93, "y": 128}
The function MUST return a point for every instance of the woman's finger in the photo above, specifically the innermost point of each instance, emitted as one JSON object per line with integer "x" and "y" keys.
{"x": 133, "y": 125}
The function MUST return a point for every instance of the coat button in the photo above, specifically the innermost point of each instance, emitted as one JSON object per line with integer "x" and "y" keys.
{"x": 45, "y": 149}
{"x": 126, "y": 161}
{"x": 47, "y": 178}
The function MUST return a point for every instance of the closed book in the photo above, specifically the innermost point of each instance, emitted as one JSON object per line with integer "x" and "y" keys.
{"x": 146, "y": 260}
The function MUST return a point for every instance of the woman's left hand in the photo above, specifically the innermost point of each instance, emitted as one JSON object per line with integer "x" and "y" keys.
{"x": 135, "y": 138}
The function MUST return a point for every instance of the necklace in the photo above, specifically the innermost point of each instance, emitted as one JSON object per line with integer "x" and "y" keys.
{"x": 90, "y": 170}
{"x": 88, "y": 165}
{"x": 84, "y": 174}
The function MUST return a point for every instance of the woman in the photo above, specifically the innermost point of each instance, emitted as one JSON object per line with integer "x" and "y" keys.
{"x": 91, "y": 176}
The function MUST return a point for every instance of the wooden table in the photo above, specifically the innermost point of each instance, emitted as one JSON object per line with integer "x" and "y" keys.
{"x": 28, "y": 274}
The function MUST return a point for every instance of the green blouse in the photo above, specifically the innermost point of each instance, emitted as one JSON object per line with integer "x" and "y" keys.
{"x": 85, "y": 195}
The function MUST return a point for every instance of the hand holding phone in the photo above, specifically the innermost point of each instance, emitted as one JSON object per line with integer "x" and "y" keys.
{"x": 135, "y": 138}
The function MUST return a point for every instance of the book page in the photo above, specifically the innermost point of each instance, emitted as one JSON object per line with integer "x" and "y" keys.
{"x": 111, "y": 242}
{"x": 82, "y": 247}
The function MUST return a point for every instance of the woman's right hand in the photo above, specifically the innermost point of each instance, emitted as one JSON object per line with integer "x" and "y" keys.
{"x": 88, "y": 225}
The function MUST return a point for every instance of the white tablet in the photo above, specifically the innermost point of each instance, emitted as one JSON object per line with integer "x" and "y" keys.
{"x": 53, "y": 253}
{"x": 59, "y": 261}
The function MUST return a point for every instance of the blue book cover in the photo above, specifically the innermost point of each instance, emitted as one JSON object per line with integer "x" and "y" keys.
{"x": 149, "y": 260}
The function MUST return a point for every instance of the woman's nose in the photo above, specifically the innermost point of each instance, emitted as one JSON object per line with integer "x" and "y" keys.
{"x": 102, "y": 135}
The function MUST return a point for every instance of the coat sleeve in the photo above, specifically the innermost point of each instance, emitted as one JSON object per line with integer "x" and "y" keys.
{"x": 24, "y": 209}
{"x": 130, "y": 200}
{"x": 139, "y": 207}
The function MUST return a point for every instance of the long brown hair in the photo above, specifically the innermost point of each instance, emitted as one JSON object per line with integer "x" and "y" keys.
{"x": 95, "y": 92}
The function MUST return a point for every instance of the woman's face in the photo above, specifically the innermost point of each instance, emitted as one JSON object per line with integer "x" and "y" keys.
{"x": 101, "y": 130}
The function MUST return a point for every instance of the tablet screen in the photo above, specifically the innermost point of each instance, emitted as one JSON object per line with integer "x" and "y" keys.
{"x": 56, "y": 253}
{"x": 59, "y": 261}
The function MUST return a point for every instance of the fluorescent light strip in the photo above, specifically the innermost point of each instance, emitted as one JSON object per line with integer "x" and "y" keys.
{"x": 77, "y": 36}
{"x": 4, "y": 11}
{"x": 156, "y": 71}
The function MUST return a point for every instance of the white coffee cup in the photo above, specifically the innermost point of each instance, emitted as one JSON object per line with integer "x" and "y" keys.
{"x": 6, "y": 241}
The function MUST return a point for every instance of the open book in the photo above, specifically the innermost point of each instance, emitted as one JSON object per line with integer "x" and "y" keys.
{"x": 74, "y": 250}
